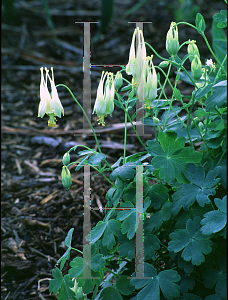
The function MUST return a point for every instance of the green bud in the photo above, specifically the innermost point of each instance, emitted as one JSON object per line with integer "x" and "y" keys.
{"x": 163, "y": 64}
{"x": 201, "y": 126}
{"x": 196, "y": 68}
{"x": 118, "y": 80}
{"x": 172, "y": 42}
{"x": 192, "y": 50}
{"x": 66, "y": 177}
{"x": 79, "y": 294}
{"x": 196, "y": 121}
{"x": 156, "y": 120}
{"x": 66, "y": 159}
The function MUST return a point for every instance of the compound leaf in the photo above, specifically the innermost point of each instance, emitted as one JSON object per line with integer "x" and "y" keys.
{"x": 215, "y": 220}
{"x": 164, "y": 281}
{"x": 193, "y": 243}
{"x": 171, "y": 157}
{"x": 64, "y": 284}
{"x": 199, "y": 189}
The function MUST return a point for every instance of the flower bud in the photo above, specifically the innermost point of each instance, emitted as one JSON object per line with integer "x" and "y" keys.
{"x": 172, "y": 42}
{"x": 201, "y": 126}
{"x": 156, "y": 120}
{"x": 66, "y": 177}
{"x": 118, "y": 80}
{"x": 196, "y": 121}
{"x": 192, "y": 50}
{"x": 66, "y": 159}
{"x": 196, "y": 68}
{"x": 163, "y": 64}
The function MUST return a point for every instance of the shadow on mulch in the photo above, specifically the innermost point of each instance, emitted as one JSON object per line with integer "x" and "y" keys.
{"x": 37, "y": 211}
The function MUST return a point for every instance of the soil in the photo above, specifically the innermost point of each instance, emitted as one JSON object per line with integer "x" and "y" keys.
{"x": 37, "y": 211}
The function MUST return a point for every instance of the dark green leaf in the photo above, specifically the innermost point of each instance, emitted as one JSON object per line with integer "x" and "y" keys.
{"x": 164, "y": 281}
{"x": 110, "y": 293}
{"x": 218, "y": 277}
{"x": 171, "y": 156}
{"x": 123, "y": 285}
{"x": 194, "y": 243}
{"x": 218, "y": 98}
{"x": 215, "y": 220}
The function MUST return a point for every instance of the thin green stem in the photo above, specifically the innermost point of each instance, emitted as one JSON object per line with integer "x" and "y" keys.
{"x": 91, "y": 126}
{"x": 129, "y": 118}
{"x": 76, "y": 250}
{"x": 209, "y": 47}
{"x": 219, "y": 70}
{"x": 125, "y": 138}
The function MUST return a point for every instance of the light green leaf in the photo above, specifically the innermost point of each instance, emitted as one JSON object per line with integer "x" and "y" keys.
{"x": 69, "y": 237}
{"x": 127, "y": 171}
{"x": 96, "y": 159}
{"x": 194, "y": 243}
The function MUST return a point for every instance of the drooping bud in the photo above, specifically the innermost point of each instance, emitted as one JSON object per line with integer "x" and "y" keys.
{"x": 118, "y": 82}
{"x": 196, "y": 121}
{"x": 163, "y": 64}
{"x": 156, "y": 120}
{"x": 66, "y": 159}
{"x": 172, "y": 42}
{"x": 192, "y": 50}
{"x": 66, "y": 177}
{"x": 201, "y": 126}
{"x": 196, "y": 68}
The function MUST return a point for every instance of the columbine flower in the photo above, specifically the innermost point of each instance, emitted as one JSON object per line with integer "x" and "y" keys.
{"x": 147, "y": 89}
{"x": 192, "y": 50}
{"x": 49, "y": 103}
{"x": 104, "y": 103}
{"x": 135, "y": 62}
{"x": 172, "y": 42}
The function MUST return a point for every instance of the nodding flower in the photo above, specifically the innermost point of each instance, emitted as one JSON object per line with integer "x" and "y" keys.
{"x": 136, "y": 59}
{"x": 49, "y": 103}
{"x": 104, "y": 103}
{"x": 172, "y": 42}
{"x": 147, "y": 89}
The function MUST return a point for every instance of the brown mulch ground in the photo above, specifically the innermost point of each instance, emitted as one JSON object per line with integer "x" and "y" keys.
{"x": 37, "y": 211}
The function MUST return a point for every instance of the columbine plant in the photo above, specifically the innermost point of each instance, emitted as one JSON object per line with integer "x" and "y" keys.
{"x": 184, "y": 210}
